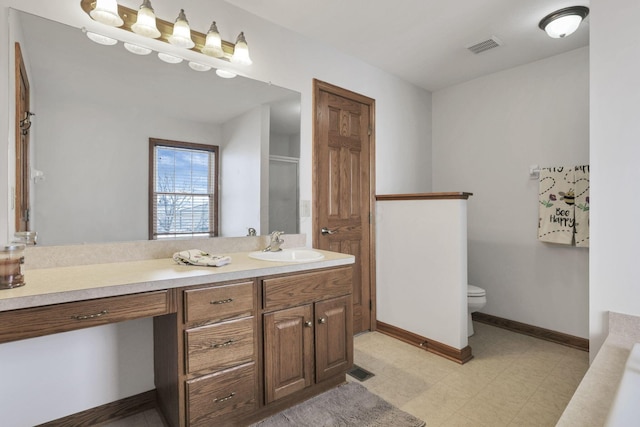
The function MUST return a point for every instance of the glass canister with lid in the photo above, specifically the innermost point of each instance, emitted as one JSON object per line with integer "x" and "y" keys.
{"x": 28, "y": 238}
{"x": 11, "y": 261}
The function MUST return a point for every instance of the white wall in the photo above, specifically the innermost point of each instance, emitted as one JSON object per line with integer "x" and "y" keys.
{"x": 240, "y": 173}
{"x": 486, "y": 133}
{"x": 615, "y": 151}
{"x": 403, "y": 150}
{"x": 51, "y": 377}
{"x": 421, "y": 268}
{"x": 403, "y": 111}
{"x": 114, "y": 145}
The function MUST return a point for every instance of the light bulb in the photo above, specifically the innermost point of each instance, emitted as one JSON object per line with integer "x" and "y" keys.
{"x": 213, "y": 43}
{"x": 138, "y": 50}
{"x": 181, "y": 36}
{"x": 225, "y": 74}
{"x": 100, "y": 39}
{"x": 241, "y": 51}
{"x": 198, "y": 66}
{"x": 146, "y": 23}
{"x": 171, "y": 59}
{"x": 106, "y": 12}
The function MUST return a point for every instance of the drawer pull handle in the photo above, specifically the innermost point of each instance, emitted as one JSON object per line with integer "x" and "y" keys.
{"x": 223, "y": 399}
{"x": 224, "y": 344}
{"x": 222, "y": 301}
{"x": 308, "y": 323}
{"x": 322, "y": 320}
{"x": 90, "y": 316}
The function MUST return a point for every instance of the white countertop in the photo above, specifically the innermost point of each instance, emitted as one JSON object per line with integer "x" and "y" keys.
{"x": 591, "y": 403}
{"x": 74, "y": 283}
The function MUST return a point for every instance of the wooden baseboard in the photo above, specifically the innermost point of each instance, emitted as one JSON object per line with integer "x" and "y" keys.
{"x": 109, "y": 412}
{"x": 460, "y": 356}
{"x": 534, "y": 331}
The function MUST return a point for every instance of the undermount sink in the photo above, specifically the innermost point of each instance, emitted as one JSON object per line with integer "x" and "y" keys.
{"x": 288, "y": 255}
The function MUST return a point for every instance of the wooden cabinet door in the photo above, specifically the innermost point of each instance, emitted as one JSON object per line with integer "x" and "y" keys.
{"x": 288, "y": 351}
{"x": 334, "y": 337}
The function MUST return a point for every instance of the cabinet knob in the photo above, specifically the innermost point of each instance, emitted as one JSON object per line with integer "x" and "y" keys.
{"x": 308, "y": 323}
{"x": 322, "y": 320}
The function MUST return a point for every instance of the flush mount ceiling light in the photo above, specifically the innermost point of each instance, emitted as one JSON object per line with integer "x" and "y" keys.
{"x": 146, "y": 23}
{"x": 563, "y": 22}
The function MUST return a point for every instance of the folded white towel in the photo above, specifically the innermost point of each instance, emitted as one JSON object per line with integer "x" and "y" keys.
{"x": 198, "y": 257}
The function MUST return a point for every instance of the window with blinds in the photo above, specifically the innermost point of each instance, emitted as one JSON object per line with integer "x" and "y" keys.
{"x": 183, "y": 194}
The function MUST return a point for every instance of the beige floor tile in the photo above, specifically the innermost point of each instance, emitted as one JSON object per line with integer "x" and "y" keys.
{"x": 513, "y": 380}
{"x": 457, "y": 420}
{"x": 534, "y": 416}
{"x": 436, "y": 404}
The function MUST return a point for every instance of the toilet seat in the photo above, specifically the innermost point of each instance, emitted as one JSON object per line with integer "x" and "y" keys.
{"x": 474, "y": 291}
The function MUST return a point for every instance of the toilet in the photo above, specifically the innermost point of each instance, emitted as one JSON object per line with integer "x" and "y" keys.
{"x": 476, "y": 299}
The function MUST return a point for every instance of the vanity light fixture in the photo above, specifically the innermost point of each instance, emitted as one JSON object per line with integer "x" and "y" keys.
{"x": 241, "y": 51}
{"x": 99, "y": 38}
{"x": 181, "y": 36}
{"x": 138, "y": 50}
{"x": 213, "y": 43}
{"x": 225, "y": 74}
{"x": 198, "y": 66}
{"x": 170, "y": 59}
{"x": 106, "y": 12}
{"x": 563, "y": 22}
{"x": 146, "y": 23}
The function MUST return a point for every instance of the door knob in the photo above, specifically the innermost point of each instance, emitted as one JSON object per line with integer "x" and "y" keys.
{"x": 308, "y": 323}
{"x": 322, "y": 320}
{"x": 326, "y": 231}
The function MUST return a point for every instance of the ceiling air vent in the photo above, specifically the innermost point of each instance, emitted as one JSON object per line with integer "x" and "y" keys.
{"x": 485, "y": 45}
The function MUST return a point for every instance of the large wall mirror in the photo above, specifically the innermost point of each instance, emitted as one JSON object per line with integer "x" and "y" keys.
{"x": 96, "y": 108}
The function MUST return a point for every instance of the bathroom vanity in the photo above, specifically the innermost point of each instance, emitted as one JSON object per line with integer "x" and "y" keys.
{"x": 232, "y": 344}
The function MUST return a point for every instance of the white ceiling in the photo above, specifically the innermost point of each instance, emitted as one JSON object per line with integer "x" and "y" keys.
{"x": 425, "y": 41}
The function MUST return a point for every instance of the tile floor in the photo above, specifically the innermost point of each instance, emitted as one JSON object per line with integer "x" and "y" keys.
{"x": 513, "y": 380}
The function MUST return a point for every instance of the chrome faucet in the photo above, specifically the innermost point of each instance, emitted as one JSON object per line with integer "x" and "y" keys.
{"x": 276, "y": 241}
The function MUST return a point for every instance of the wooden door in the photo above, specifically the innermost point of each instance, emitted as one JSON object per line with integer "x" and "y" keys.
{"x": 343, "y": 187}
{"x": 334, "y": 337}
{"x": 23, "y": 117}
{"x": 288, "y": 351}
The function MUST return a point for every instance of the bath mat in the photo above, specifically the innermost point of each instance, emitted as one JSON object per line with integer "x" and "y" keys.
{"x": 349, "y": 405}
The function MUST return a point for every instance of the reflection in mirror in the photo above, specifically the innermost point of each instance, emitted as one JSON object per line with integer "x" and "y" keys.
{"x": 97, "y": 106}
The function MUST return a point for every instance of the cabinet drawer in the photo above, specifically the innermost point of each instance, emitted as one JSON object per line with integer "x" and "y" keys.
{"x": 220, "y": 346}
{"x": 289, "y": 291}
{"x": 228, "y": 393}
{"x": 219, "y": 302}
{"x": 38, "y": 321}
